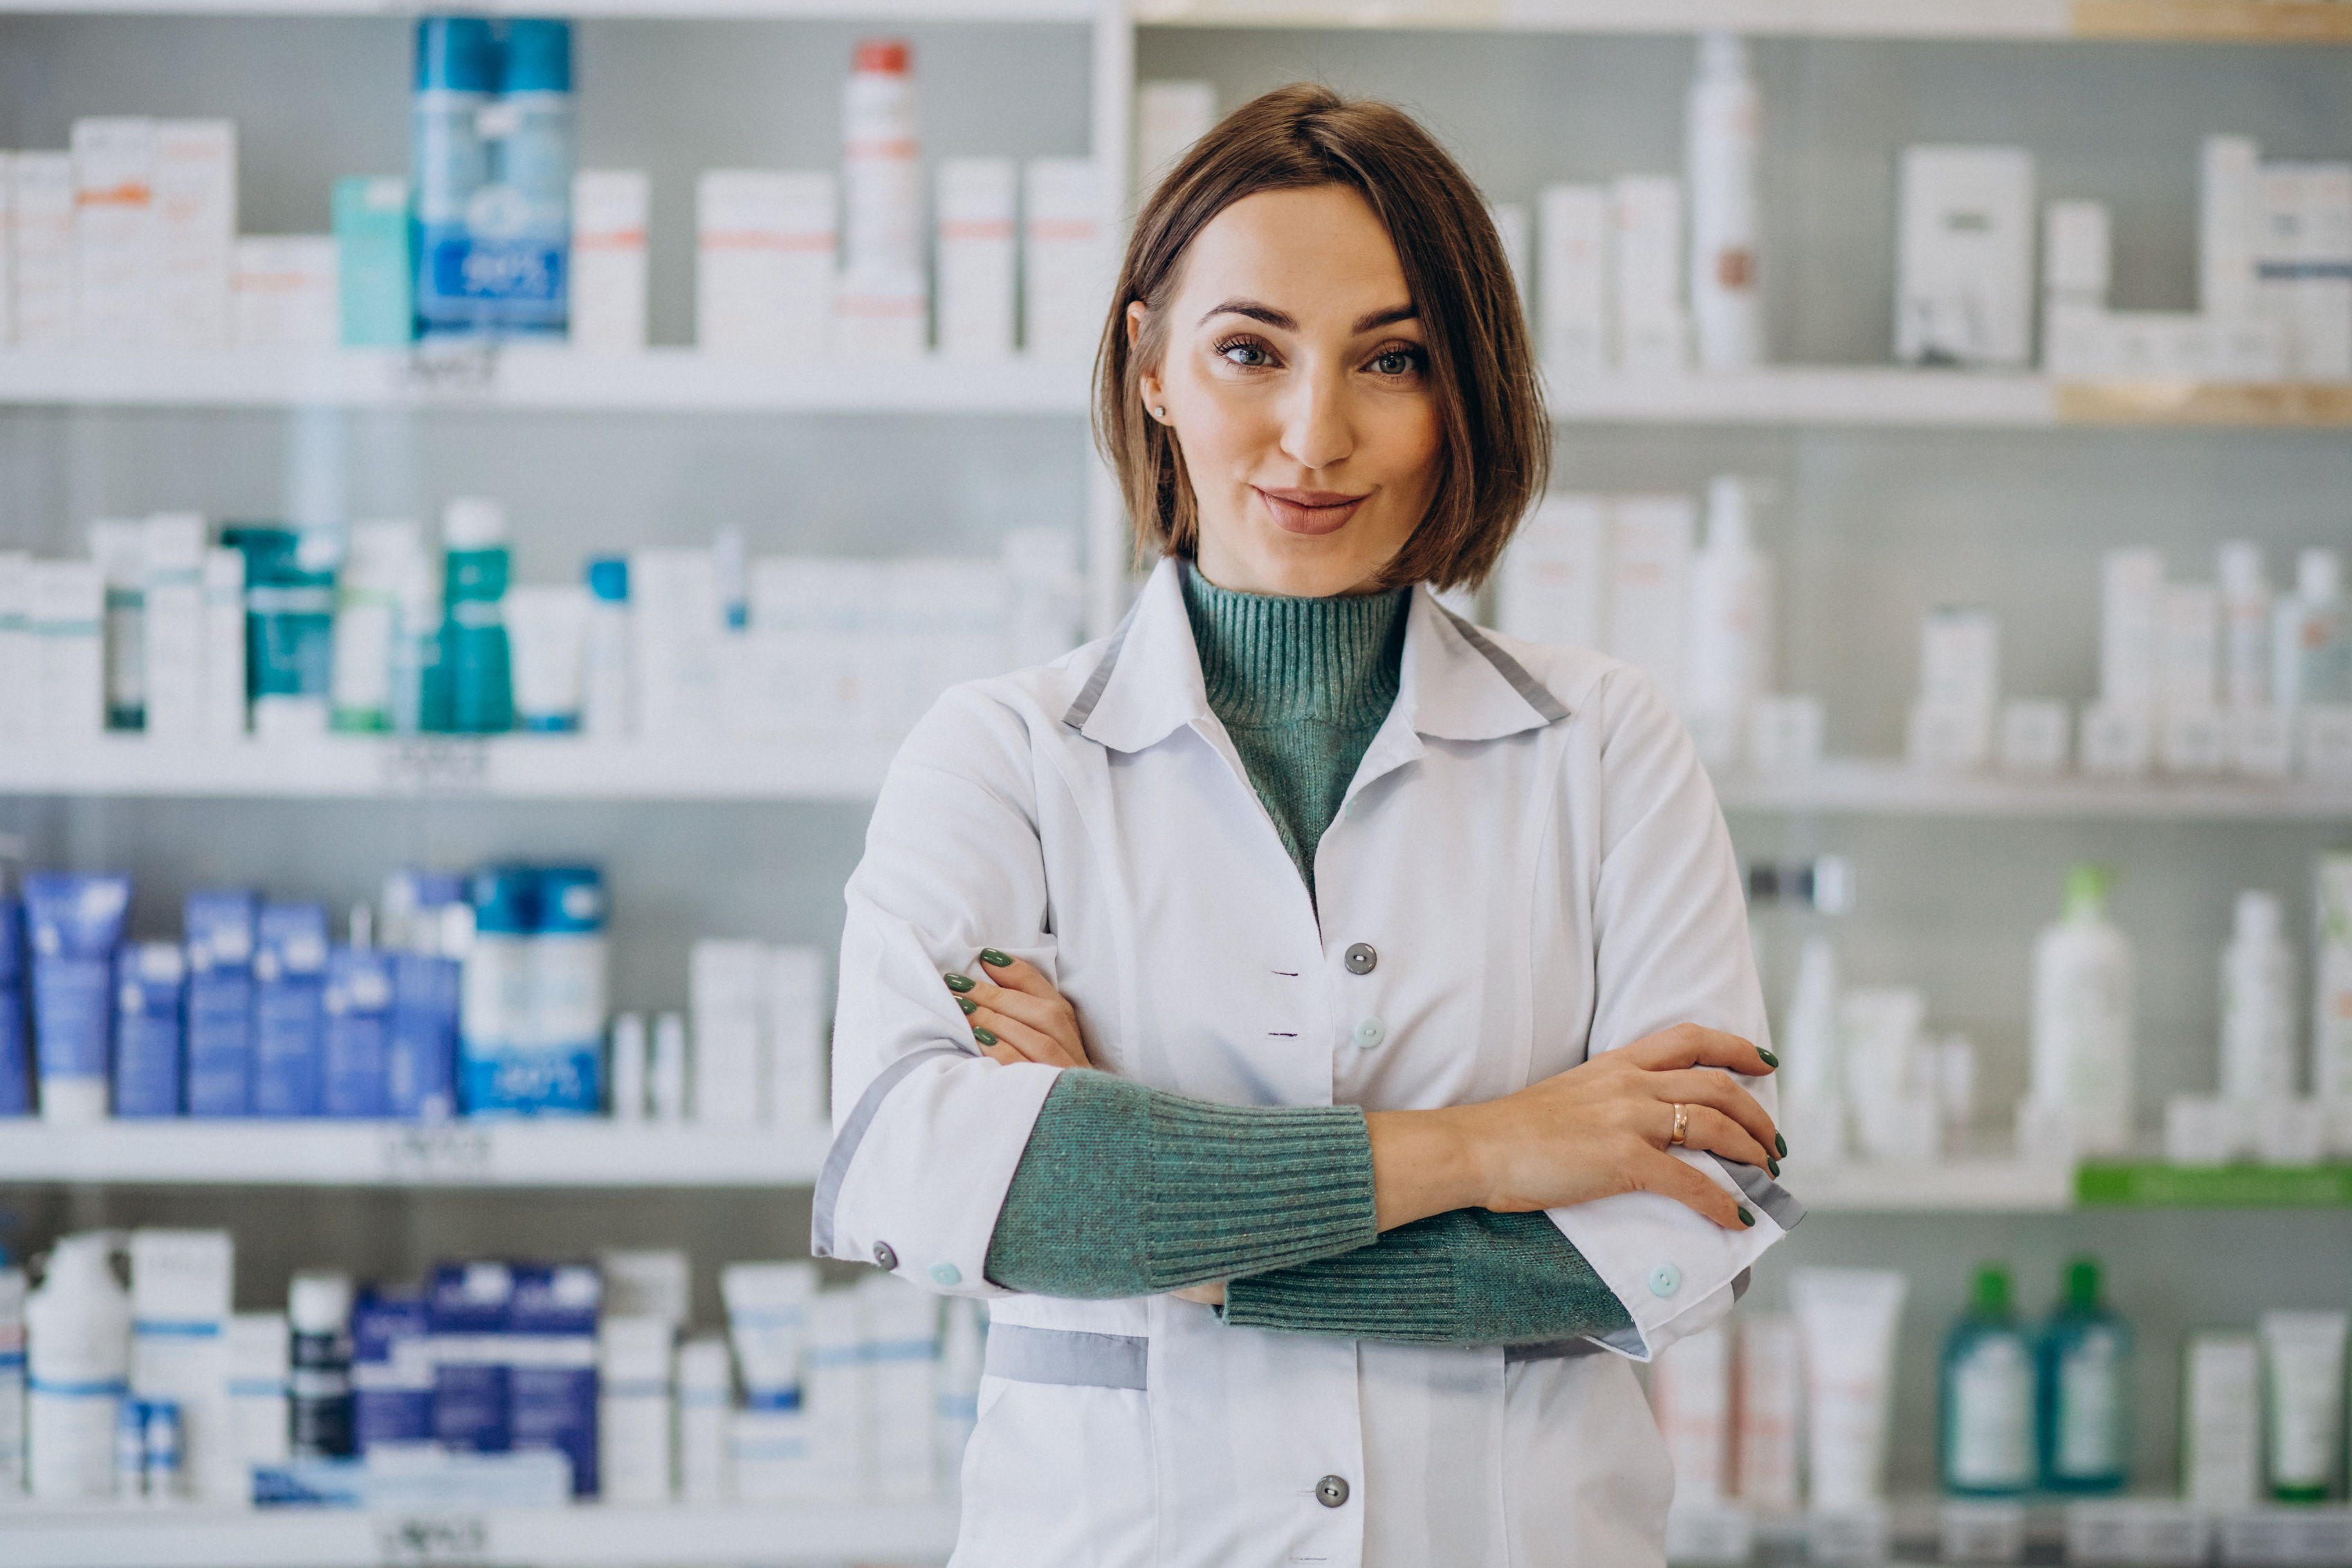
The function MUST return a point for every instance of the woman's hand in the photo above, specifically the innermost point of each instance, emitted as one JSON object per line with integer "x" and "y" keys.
{"x": 1597, "y": 1130}
{"x": 1017, "y": 1015}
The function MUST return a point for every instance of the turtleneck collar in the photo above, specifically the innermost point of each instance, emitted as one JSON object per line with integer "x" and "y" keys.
{"x": 1269, "y": 660}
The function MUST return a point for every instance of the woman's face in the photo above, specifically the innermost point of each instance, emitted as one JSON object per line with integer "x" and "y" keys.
{"x": 1295, "y": 377}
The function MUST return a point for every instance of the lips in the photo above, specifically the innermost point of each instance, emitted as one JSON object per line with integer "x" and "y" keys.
{"x": 1310, "y": 511}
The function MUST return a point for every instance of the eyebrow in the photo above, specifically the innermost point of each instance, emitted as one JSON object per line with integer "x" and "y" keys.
{"x": 1283, "y": 322}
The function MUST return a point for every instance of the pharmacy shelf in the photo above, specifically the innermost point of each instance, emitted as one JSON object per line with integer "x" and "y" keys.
{"x": 589, "y": 1536}
{"x": 519, "y": 767}
{"x": 2003, "y": 1185}
{"x": 2283, "y": 21}
{"x": 570, "y": 1153}
{"x": 1877, "y": 396}
{"x": 1892, "y": 788}
{"x": 477, "y": 377}
{"x": 882, "y": 12}
{"x": 2153, "y": 1184}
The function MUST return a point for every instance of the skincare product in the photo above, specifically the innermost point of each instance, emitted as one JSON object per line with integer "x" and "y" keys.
{"x": 2331, "y": 1018}
{"x": 883, "y": 304}
{"x": 1719, "y": 163}
{"x": 548, "y": 629}
{"x": 899, "y": 1347}
{"x": 705, "y": 1396}
{"x": 1573, "y": 243}
{"x": 318, "y": 1384}
{"x": 794, "y": 1036}
{"x": 2258, "y": 1005}
{"x": 150, "y": 1047}
{"x": 1649, "y": 330}
{"x": 1964, "y": 291}
{"x": 375, "y": 269}
{"x": 1066, "y": 273}
{"x": 1690, "y": 1395}
{"x": 457, "y": 73}
{"x": 64, "y": 605}
{"x": 1988, "y": 1396}
{"x": 114, "y": 232}
{"x": 1731, "y": 625}
{"x": 220, "y": 925}
{"x": 42, "y": 213}
{"x": 634, "y": 1414}
{"x": 2229, "y": 212}
{"x": 2311, "y": 636}
{"x": 2085, "y": 1401}
{"x": 608, "y": 699}
{"x": 497, "y": 1064}
{"x": 2220, "y": 1422}
{"x": 1766, "y": 1411}
{"x": 180, "y": 1282}
{"x": 78, "y": 1353}
{"x": 367, "y": 618}
{"x": 2245, "y": 620}
{"x": 518, "y": 226}
{"x": 2303, "y": 1393}
{"x": 1650, "y": 539}
{"x": 609, "y": 218}
{"x": 289, "y": 971}
{"x": 171, "y": 549}
{"x": 74, "y": 922}
{"x": 468, "y": 1306}
{"x": 481, "y": 699}
{"x": 392, "y": 1370}
{"x": 978, "y": 275}
{"x": 259, "y": 1369}
{"x": 763, "y": 268}
{"x": 1553, "y": 586}
{"x": 668, "y": 1082}
{"x": 356, "y": 1048}
{"x": 2083, "y": 1040}
{"x": 225, "y": 691}
{"x": 552, "y": 1351}
{"x": 1845, "y": 1324}
{"x": 840, "y": 1395}
{"x": 725, "y": 985}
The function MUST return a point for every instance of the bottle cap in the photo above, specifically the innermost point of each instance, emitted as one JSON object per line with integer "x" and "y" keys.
{"x": 1722, "y": 56}
{"x": 608, "y": 579}
{"x": 455, "y": 54}
{"x": 505, "y": 900}
{"x": 2258, "y": 913}
{"x": 2083, "y": 1285}
{"x": 470, "y": 522}
{"x": 891, "y": 55}
{"x": 2318, "y": 574}
{"x": 318, "y": 1302}
{"x": 1990, "y": 1298}
{"x": 2086, "y": 892}
{"x": 570, "y": 899}
{"x": 538, "y": 57}
{"x": 2239, "y": 565}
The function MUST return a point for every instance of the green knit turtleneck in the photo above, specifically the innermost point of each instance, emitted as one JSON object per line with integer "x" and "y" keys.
{"x": 1302, "y": 685}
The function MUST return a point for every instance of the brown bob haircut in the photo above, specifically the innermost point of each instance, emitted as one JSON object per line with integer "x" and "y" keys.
{"x": 1496, "y": 445}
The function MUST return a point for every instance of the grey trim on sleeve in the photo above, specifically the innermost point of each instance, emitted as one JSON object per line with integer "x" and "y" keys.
{"x": 1740, "y": 1285}
{"x": 1537, "y": 696}
{"x": 1549, "y": 1350}
{"x": 1067, "y": 1356}
{"x": 1627, "y": 1341}
{"x": 1091, "y": 692}
{"x": 1765, "y": 1193}
{"x": 853, "y": 1132}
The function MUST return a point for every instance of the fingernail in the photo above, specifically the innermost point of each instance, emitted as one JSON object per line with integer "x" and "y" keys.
{"x": 968, "y": 1005}
{"x": 958, "y": 983}
{"x": 1771, "y": 1164}
{"x": 1745, "y": 1218}
{"x": 1781, "y": 1144}
{"x": 1770, "y": 1059}
{"x": 994, "y": 959}
{"x": 986, "y": 1038}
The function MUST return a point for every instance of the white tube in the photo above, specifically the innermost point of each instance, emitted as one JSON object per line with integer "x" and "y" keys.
{"x": 767, "y": 1319}
{"x": 548, "y": 628}
{"x": 2303, "y": 1361}
{"x": 1845, "y": 1325}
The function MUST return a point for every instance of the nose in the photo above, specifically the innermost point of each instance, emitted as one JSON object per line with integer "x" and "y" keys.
{"x": 1316, "y": 432}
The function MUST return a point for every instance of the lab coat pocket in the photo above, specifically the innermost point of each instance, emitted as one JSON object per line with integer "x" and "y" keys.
{"x": 1057, "y": 1476}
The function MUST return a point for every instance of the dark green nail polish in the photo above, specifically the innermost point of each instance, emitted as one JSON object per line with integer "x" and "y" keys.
{"x": 1746, "y": 1218}
{"x": 994, "y": 959}
{"x": 1773, "y": 1166}
{"x": 986, "y": 1038}
{"x": 959, "y": 983}
{"x": 1781, "y": 1144}
{"x": 968, "y": 1005}
{"x": 1770, "y": 1059}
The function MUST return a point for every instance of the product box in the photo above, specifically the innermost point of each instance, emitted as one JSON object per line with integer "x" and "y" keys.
{"x": 220, "y": 938}
{"x": 421, "y": 1063}
{"x": 2228, "y": 222}
{"x": 2331, "y": 1022}
{"x": 551, "y": 1354}
{"x": 725, "y": 987}
{"x": 1650, "y": 545}
{"x": 225, "y": 692}
{"x": 2131, "y": 599}
{"x": 673, "y": 643}
{"x": 466, "y": 1307}
{"x": 290, "y": 968}
{"x": 66, "y": 607}
{"x": 1065, "y": 269}
{"x": 2302, "y": 264}
{"x": 41, "y": 216}
{"x": 260, "y": 1356}
{"x": 180, "y": 1285}
{"x": 763, "y": 264}
{"x": 285, "y": 293}
{"x": 375, "y": 272}
{"x": 392, "y": 1370}
{"x": 358, "y": 1007}
{"x": 114, "y": 272}
{"x": 899, "y": 1343}
{"x": 1572, "y": 278}
{"x": 1964, "y": 257}
{"x": 794, "y": 1036}
{"x": 635, "y": 1450}
{"x": 1553, "y": 585}
{"x": 978, "y": 267}
{"x": 194, "y": 187}
{"x": 118, "y": 546}
{"x": 171, "y": 553}
{"x": 19, "y": 656}
{"x": 150, "y": 1049}
{"x": 610, "y": 209}
{"x": 1650, "y": 327}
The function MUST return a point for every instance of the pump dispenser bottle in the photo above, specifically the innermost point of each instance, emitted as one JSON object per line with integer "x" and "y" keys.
{"x": 2086, "y": 1389}
{"x": 2311, "y": 635}
{"x": 78, "y": 1332}
{"x": 1719, "y": 165}
{"x": 1731, "y": 618}
{"x": 1988, "y": 1396}
{"x": 2083, "y": 1026}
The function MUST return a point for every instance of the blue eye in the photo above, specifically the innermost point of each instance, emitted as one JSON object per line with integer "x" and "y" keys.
{"x": 1397, "y": 363}
{"x": 1242, "y": 352}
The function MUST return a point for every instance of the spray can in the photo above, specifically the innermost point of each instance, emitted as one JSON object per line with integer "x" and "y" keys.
{"x": 319, "y": 1383}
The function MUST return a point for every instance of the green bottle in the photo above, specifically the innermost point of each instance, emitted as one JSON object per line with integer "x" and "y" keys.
{"x": 474, "y": 632}
{"x": 2085, "y": 1390}
{"x": 1987, "y": 1387}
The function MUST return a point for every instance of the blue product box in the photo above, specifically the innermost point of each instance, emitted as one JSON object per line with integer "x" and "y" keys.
{"x": 421, "y": 1066}
{"x": 73, "y": 1017}
{"x": 466, "y": 1308}
{"x": 289, "y": 971}
{"x": 358, "y": 1004}
{"x": 220, "y": 934}
{"x": 552, "y": 1329}
{"x": 150, "y": 1047}
{"x": 392, "y": 1370}
{"x": 15, "y": 1042}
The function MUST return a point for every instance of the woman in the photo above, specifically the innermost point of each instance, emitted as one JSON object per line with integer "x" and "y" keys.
{"x": 1337, "y": 1253}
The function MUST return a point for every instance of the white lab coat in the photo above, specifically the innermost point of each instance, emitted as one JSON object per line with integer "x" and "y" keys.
{"x": 1534, "y": 853}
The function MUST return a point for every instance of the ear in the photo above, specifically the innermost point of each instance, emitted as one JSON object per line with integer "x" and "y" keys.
{"x": 1147, "y": 377}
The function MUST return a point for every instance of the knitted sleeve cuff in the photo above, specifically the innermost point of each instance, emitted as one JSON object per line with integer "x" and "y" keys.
{"x": 1128, "y": 1191}
{"x": 1469, "y": 1277}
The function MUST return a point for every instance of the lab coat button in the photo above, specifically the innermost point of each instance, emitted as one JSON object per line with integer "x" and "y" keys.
{"x": 1665, "y": 1280}
{"x": 884, "y": 1257}
{"x": 1331, "y": 1490}
{"x": 1361, "y": 957}
{"x": 946, "y": 1274}
{"x": 1370, "y": 1032}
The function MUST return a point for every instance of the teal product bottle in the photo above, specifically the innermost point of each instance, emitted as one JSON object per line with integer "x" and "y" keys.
{"x": 375, "y": 274}
{"x": 289, "y": 624}
{"x": 457, "y": 70}
{"x": 473, "y": 629}
{"x": 2085, "y": 1390}
{"x": 518, "y": 226}
{"x": 1987, "y": 1395}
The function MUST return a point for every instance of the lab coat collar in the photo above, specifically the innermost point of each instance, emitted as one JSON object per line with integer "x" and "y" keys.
{"x": 1455, "y": 683}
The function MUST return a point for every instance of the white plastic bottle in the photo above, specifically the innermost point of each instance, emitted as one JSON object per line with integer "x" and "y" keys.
{"x": 2258, "y": 1004}
{"x": 2311, "y": 637}
{"x": 605, "y": 709}
{"x": 1719, "y": 158}
{"x": 2083, "y": 1033}
{"x": 883, "y": 305}
{"x": 12, "y": 1382}
{"x": 78, "y": 1327}
{"x": 2245, "y": 625}
{"x": 1730, "y": 625}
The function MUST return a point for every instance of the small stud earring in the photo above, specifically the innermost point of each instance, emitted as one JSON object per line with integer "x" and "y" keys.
{"x": 1161, "y": 411}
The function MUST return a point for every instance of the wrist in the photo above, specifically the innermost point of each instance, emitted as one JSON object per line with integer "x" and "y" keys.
{"x": 1424, "y": 1163}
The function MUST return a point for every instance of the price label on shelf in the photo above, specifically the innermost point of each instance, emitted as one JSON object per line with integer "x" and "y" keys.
{"x": 437, "y": 1154}
{"x": 450, "y": 372}
{"x": 433, "y": 1540}
{"x": 436, "y": 767}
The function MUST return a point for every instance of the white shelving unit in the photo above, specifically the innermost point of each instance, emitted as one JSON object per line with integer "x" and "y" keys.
{"x": 1891, "y": 789}
{"x": 590, "y": 1536}
{"x": 1977, "y": 1186}
{"x": 555, "y": 1154}
{"x": 2310, "y": 20}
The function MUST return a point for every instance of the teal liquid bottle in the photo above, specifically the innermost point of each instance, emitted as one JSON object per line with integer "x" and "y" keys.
{"x": 2084, "y": 1390}
{"x": 474, "y": 654}
{"x": 1987, "y": 1395}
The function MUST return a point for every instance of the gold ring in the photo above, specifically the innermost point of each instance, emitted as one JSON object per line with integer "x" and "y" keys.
{"x": 1682, "y": 1124}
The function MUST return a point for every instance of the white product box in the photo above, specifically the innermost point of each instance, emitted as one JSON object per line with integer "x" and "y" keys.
{"x": 2033, "y": 738}
{"x": 284, "y": 293}
{"x": 2193, "y": 742}
{"x": 610, "y": 209}
{"x": 1784, "y": 734}
{"x": 1690, "y": 1396}
{"x": 674, "y": 630}
{"x": 706, "y": 1388}
{"x": 259, "y": 1352}
{"x": 19, "y": 652}
{"x": 813, "y": 619}
{"x": 1572, "y": 278}
{"x": 838, "y": 1393}
{"x": 2187, "y": 647}
{"x": 180, "y": 1283}
{"x": 223, "y": 659}
{"x": 794, "y": 1036}
{"x": 1515, "y": 226}
{"x": 2221, "y": 1426}
{"x": 1959, "y": 658}
{"x": 1649, "y": 327}
{"x": 763, "y": 263}
{"x": 2326, "y": 748}
{"x": 2259, "y": 743}
{"x": 2303, "y": 267}
{"x": 1066, "y": 272}
{"x": 636, "y": 1451}
{"x": 1650, "y": 542}
{"x": 978, "y": 260}
{"x": 2200, "y": 1130}
{"x": 173, "y": 553}
{"x": 66, "y": 606}
{"x": 2229, "y": 216}
{"x": 2115, "y": 742}
{"x": 881, "y": 315}
{"x": 2289, "y": 1133}
{"x": 725, "y": 982}
{"x": 900, "y": 1345}
{"x": 41, "y": 214}
{"x": 1947, "y": 737}
{"x": 1553, "y": 586}
{"x": 114, "y": 232}
{"x": 1964, "y": 289}
{"x": 1169, "y": 116}
{"x": 1765, "y": 1440}
{"x": 194, "y": 164}
{"x": 2076, "y": 253}
{"x": 2131, "y": 591}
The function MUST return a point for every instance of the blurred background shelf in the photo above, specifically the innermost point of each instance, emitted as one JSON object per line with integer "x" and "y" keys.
{"x": 1987, "y": 1186}
{"x": 1876, "y": 788}
{"x": 579, "y": 1154}
{"x": 587, "y": 1536}
{"x": 2240, "y": 20}
{"x": 875, "y": 11}
{"x": 1867, "y": 395}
